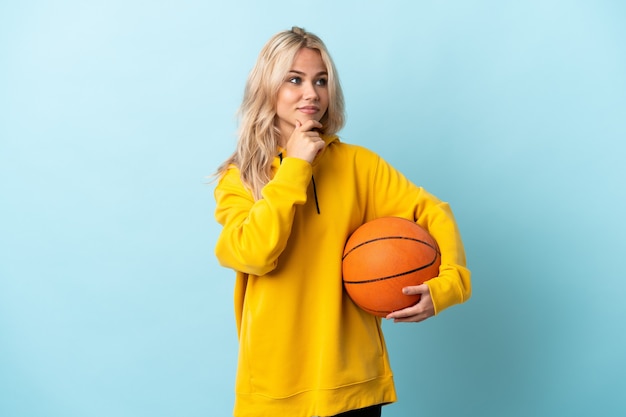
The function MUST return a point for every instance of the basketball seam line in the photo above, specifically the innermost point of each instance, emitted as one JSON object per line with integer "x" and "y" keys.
{"x": 395, "y": 275}
{"x": 436, "y": 249}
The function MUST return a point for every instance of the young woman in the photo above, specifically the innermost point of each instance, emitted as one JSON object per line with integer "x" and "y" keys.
{"x": 288, "y": 199}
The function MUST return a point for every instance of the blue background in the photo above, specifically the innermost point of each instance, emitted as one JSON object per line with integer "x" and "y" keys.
{"x": 113, "y": 113}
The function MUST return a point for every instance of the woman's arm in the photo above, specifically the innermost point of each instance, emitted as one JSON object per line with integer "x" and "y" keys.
{"x": 255, "y": 233}
{"x": 393, "y": 194}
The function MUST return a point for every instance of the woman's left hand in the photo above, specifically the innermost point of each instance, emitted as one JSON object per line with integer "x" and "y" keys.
{"x": 420, "y": 311}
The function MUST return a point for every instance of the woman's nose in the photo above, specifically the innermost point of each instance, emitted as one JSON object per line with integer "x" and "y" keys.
{"x": 310, "y": 92}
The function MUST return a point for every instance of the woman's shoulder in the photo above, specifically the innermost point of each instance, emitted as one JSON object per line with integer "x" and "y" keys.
{"x": 229, "y": 176}
{"x": 354, "y": 149}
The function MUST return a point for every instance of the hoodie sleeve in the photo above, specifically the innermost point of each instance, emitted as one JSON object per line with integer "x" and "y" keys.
{"x": 255, "y": 233}
{"x": 392, "y": 194}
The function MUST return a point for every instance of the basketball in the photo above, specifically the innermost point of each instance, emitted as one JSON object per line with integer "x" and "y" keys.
{"x": 383, "y": 256}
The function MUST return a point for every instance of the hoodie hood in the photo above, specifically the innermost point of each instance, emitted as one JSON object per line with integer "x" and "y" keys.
{"x": 328, "y": 140}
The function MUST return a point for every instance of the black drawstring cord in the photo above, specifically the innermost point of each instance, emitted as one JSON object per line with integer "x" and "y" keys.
{"x": 317, "y": 204}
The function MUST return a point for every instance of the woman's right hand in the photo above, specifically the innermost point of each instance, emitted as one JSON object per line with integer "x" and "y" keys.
{"x": 305, "y": 142}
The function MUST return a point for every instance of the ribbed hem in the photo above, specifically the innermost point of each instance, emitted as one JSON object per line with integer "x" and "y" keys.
{"x": 323, "y": 402}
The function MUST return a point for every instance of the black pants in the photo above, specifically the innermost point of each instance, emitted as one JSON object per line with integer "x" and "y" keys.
{"x": 373, "y": 411}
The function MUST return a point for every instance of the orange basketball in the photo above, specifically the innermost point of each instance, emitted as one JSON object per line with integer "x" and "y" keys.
{"x": 383, "y": 256}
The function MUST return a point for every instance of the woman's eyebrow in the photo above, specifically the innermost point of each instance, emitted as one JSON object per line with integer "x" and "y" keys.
{"x": 302, "y": 73}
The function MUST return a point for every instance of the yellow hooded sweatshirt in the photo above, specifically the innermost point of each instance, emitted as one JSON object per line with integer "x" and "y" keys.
{"x": 305, "y": 349}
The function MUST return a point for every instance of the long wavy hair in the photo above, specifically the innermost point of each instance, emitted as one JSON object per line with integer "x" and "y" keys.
{"x": 258, "y": 135}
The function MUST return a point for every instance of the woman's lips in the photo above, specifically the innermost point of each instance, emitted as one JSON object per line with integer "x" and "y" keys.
{"x": 309, "y": 109}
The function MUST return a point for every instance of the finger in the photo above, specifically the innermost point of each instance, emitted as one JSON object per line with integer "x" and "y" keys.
{"x": 415, "y": 290}
{"x": 410, "y": 314}
{"x": 404, "y": 313}
{"x": 311, "y": 125}
{"x": 411, "y": 319}
{"x": 418, "y": 312}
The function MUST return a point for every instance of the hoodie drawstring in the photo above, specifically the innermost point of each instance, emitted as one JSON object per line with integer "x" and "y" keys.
{"x": 317, "y": 203}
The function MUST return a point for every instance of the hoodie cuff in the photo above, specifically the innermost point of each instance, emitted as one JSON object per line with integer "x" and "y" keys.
{"x": 293, "y": 176}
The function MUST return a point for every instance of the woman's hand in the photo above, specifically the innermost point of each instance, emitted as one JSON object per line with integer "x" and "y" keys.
{"x": 305, "y": 142}
{"x": 420, "y": 311}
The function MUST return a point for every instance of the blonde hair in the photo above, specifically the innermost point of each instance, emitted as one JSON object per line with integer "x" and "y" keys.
{"x": 258, "y": 135}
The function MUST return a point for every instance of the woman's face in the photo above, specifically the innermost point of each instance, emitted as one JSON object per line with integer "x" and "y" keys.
{"x": 304, "y": 93}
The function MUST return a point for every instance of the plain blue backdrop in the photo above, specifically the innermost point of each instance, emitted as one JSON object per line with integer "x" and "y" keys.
{"x": 114, "y": 113}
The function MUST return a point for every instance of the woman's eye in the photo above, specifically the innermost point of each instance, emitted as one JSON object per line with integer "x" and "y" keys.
{"x": 322, "y": 82}
{"x": 294, "y": 80}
